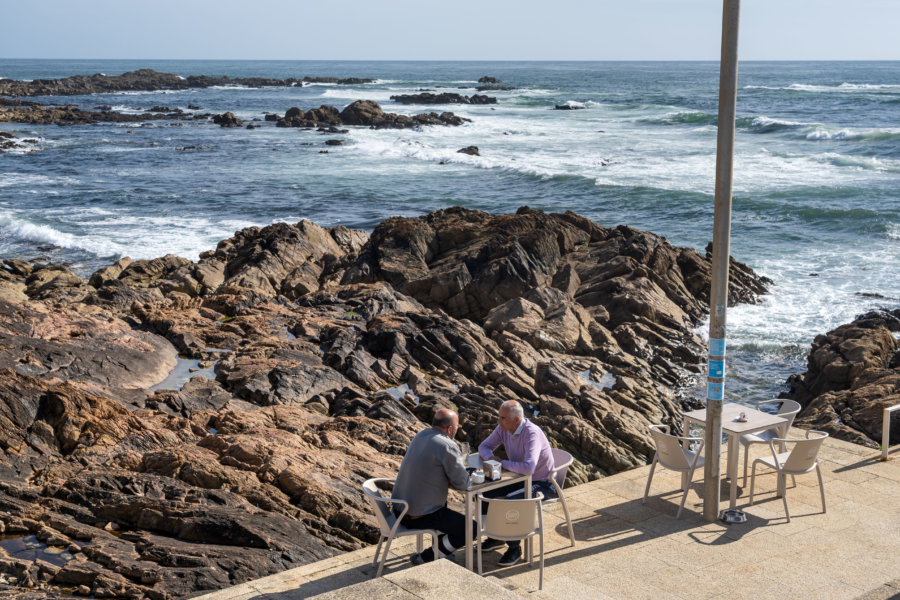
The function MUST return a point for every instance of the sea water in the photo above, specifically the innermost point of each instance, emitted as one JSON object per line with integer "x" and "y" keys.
{"x": 816, "y": 172}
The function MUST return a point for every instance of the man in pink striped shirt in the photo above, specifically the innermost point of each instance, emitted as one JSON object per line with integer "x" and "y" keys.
{"x": 529, "y": 453}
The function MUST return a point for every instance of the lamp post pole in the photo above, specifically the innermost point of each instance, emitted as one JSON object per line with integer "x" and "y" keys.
{"x": 718, "y": 297}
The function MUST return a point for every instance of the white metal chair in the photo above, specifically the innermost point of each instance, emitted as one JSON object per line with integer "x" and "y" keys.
{"x": 787, "y": 409}
{"x": 509, "y": 520}
{"x": 562, "y": 461}
{"x": 671, "y": 455}
{"x": 802, "y": 458}
{"x": 389, "y": 523}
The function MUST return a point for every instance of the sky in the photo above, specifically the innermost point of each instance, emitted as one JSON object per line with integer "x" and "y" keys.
{"x": 457, "y": 30}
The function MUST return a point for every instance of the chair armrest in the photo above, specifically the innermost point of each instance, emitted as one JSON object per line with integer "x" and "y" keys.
{"x": 767, "y": 402}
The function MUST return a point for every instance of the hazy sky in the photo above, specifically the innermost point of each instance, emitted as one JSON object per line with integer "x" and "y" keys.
{"x": 455, "y": 30}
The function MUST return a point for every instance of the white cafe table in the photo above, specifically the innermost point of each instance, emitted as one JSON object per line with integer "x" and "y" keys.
{"x": 757, "y": 420}
{"x": 471, "y": 493}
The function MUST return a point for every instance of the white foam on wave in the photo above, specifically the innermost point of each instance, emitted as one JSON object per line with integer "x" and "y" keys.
{"x": 31, "y": 179}
{"x": 843, "y": 87}
{"x": 764, "y": 122}
{"x": 893, "y": 231}
{"x": 24, "y": 230}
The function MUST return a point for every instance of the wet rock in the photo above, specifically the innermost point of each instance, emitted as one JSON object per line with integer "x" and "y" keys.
{"x": 853, "y": 373}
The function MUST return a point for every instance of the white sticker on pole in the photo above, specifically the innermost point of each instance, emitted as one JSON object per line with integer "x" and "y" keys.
{"x": 715, "y": 391}
{"x": 717, "y": 346}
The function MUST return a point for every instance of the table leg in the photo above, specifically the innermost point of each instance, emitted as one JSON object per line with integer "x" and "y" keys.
{"x": 469, "y": 539}
{"x": 733, "y": 449}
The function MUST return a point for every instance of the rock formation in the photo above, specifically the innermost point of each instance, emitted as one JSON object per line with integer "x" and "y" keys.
{"x": 853, "y": 373}
{"x": 321, "y": 351}
{"x": 444, "y": 98}
{"x": 367, "y": 113}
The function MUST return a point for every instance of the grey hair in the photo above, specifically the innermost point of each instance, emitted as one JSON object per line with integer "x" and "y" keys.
{"x": 514, "y": 408}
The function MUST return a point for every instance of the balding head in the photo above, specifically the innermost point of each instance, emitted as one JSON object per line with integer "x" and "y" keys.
{"x": 446, "y": 420}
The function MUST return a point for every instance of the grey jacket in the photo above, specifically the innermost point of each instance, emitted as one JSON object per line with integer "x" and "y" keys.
{"x": 432, "y": 463}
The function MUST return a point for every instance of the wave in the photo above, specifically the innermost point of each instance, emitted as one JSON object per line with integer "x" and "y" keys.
{"x": 821, "y": 133}
{"x": 26, "y": 231}
{"x": 867, "y": 163}
{"x": 689, "y": 117}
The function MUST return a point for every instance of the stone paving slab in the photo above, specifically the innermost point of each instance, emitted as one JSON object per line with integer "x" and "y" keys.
{"x": 626, "y": 549}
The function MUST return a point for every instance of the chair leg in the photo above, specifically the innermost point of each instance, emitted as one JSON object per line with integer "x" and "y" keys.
{"x": 387, "y": 549}
{"x": 649, "y": 479}
{"x": 420, "y": 542}
{"x": 687, "y": 488}
{"x": 377, "y": 551}
{"x": 568, "y": 519}
{"x": 821, "y": 485}
{"x": 541, "y": 576}
{"x": 782, "y": 480}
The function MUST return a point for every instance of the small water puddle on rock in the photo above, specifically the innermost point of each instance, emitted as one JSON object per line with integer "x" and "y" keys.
{"x": 290, "y": 335}
{"x": 182, "y": 373}
{"x": 400, "y": 391}
{"x": 608, "y": 380}
{"x": 27, "y": 547}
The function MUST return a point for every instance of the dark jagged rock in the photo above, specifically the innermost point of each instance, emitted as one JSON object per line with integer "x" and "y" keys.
{"x": 329, "y": 349}
{"x": 569, "y": 107}
{"x": 853, "y": 373}
{"x": 470, "y": 150}
{"x": 227, "y": 120}
{"x": 488, "y": 79}
{"x": 339, "y": 81}
{"x": 444, "y": 98}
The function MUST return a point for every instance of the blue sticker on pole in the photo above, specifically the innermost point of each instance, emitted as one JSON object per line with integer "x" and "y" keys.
{"x": 717, "y": 368}
{"x": 715, "y": 391}
{"x": 717, "y": 346}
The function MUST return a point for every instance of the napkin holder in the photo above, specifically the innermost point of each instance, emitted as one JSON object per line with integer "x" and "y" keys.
{"x": 491, "y": 469}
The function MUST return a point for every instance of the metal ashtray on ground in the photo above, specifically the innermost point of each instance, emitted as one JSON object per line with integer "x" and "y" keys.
{"x": 732, "y": 515}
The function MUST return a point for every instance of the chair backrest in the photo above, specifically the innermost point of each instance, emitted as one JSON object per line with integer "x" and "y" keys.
{"x": 380, "y": 504}
{"x": 669, "y": 450}
{"x": 512, "y": 518}
{"x": 788, "y": 410}
{"x": 804, "y": 454}
{"x": 562, "y": 460}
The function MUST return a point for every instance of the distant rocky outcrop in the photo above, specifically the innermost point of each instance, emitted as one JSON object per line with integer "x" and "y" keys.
{"x": 365, "y": 113}
{"x": 443, "y": 98}
{"x": 17, "y": 111}
{"x": 470, "y": 150}
{"x": 853, "y": 373}
{"x": 326, "y": 350}
{"x": 488, "y": 79}
{"x": 339, "y": 81}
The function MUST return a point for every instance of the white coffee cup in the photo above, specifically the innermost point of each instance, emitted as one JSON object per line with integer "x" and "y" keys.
{"x": 477, "y": 477}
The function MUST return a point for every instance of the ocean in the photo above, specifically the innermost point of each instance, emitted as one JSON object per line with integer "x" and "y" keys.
{"x": 816, "y": 174}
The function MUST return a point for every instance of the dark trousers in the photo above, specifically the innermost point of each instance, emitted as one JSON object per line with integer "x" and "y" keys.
{"x": 448, "y": 522}
{"x": 516, "y": 491}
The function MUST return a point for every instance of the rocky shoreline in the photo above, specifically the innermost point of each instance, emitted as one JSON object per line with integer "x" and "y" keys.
{"x": 321, "y": 352}
{"x": 144, "y": 80}
{"x": 317, "y": 354}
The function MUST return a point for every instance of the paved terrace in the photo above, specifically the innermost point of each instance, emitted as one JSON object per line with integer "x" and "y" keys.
{"x": 628, "y": 550}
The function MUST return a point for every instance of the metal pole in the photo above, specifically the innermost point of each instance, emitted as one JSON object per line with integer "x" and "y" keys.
{"x": 718, "y": 297}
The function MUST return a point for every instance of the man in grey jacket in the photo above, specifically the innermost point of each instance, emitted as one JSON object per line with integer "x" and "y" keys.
{"x": 431, "y": 465}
